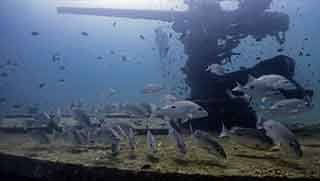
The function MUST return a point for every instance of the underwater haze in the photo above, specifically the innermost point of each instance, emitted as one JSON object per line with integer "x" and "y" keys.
{"x": 198, "y": 88}
{"x": 86, "y": 76}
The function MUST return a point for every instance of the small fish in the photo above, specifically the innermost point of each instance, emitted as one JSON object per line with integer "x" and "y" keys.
{"x": 119, "y": 130}
{"x": 282, "y": 136}
{"x": 106, "y": 134}
{"x": 151, "y": 143}
{"x": 251, "y": 138}
{"x": 82, "y": 117}
{"x": 16, "y": 106}
{"x": 112, "y": 52}
{"x": 141, "y": 37}
{"x": 61, "y": 80}
{"x": 110, "y": 92}
{"x": 99, "y": 57}
{"x": 182, "y": 110}
{"x": 280, "y": 50}
{"x": 3, "y": 100}
{"x": 62, "y": 67}
{"x": 178, "y": 139}
{"x": 84, "y": 33}
{"x": 41, "y": 85}
{"x": 34, "y": 33}
{"x": 56, "y": 57}
{"x": 72, "y": 136}
{"x": 152, "y": 88}
{"x": 4, "y": 74}
{"x": 132, "y": 139}
{"x": 114, "y": 24}
{"x": 124, "y": 58}
{"x": 115, "y": 143}
{"x": 43, "y": 117}
{"x": 205, "y": 141}
{"x": 290, "y": 107}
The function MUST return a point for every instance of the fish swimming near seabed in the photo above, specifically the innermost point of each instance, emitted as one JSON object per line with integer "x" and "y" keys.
{"x": 289, "y": 107}
{"x": 132, "y": 139}
{"x": 82, "y": 117}
{"x": 251, "y": 138}
{"x": 177, "y": 138}
{"x": 205, "y": 141}
{"x": 151, "y": 144}
{"x": 281, "y": 136}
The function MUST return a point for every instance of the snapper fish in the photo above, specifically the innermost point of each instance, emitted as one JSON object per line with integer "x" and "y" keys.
{"x": 151, "y": 144}
{"x": 281, "y": 136}
{"x": 177, "y": 138}
{"x": 289, "y": 107}
{"x": 251, "y": 138}
{"x": 266, "y": 87}
{"x": 204, "y": 140}
{"x": 132, "y": 139}
{"x": 182, "y": 110}
{"x": 81, "y": 116}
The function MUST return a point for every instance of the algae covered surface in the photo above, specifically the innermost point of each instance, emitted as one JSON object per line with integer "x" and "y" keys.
{"x": 240, "y": 161}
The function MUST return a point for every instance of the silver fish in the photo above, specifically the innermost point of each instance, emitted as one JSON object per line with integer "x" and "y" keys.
{"x": 43, "y": 117}
{"x": 282, "y": 136}
{"x": 178, "y": 139}
{"x": 266, "y": 87}
{"x": 205, "y": 141}
{"x": 251, "y": 138}
{"x": 151, "y": 143}
{"x": 182, "y": 110}
{"x": 82, "y": 117}
{"x": 289, "y": 107}
{"x": 115, "y": 143}
{"x": 132, "y": 139}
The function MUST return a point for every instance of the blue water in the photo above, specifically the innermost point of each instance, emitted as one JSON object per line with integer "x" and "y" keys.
{"x": 86, "y": 77}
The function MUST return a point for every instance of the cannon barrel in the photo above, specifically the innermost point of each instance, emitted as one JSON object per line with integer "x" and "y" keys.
{"x": 163, "y": 15}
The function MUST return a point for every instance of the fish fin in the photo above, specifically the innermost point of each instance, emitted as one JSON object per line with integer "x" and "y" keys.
{"x": 260, "y": 120}
{"x": 264, "y": 99}
{"x": 224, "y": 131}
{"x": 229, "y": 92}
{"x": 239, "y": 87}
{"x": 251, "y": 78}
{"x": 190, "y": 116}
{"x": 191, "y": 128}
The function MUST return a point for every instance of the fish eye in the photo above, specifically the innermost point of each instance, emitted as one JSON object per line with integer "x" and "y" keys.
{"x": 251, "y": 87}
{"x": 200, "y": 109}
{"x": 173, "y": 107}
